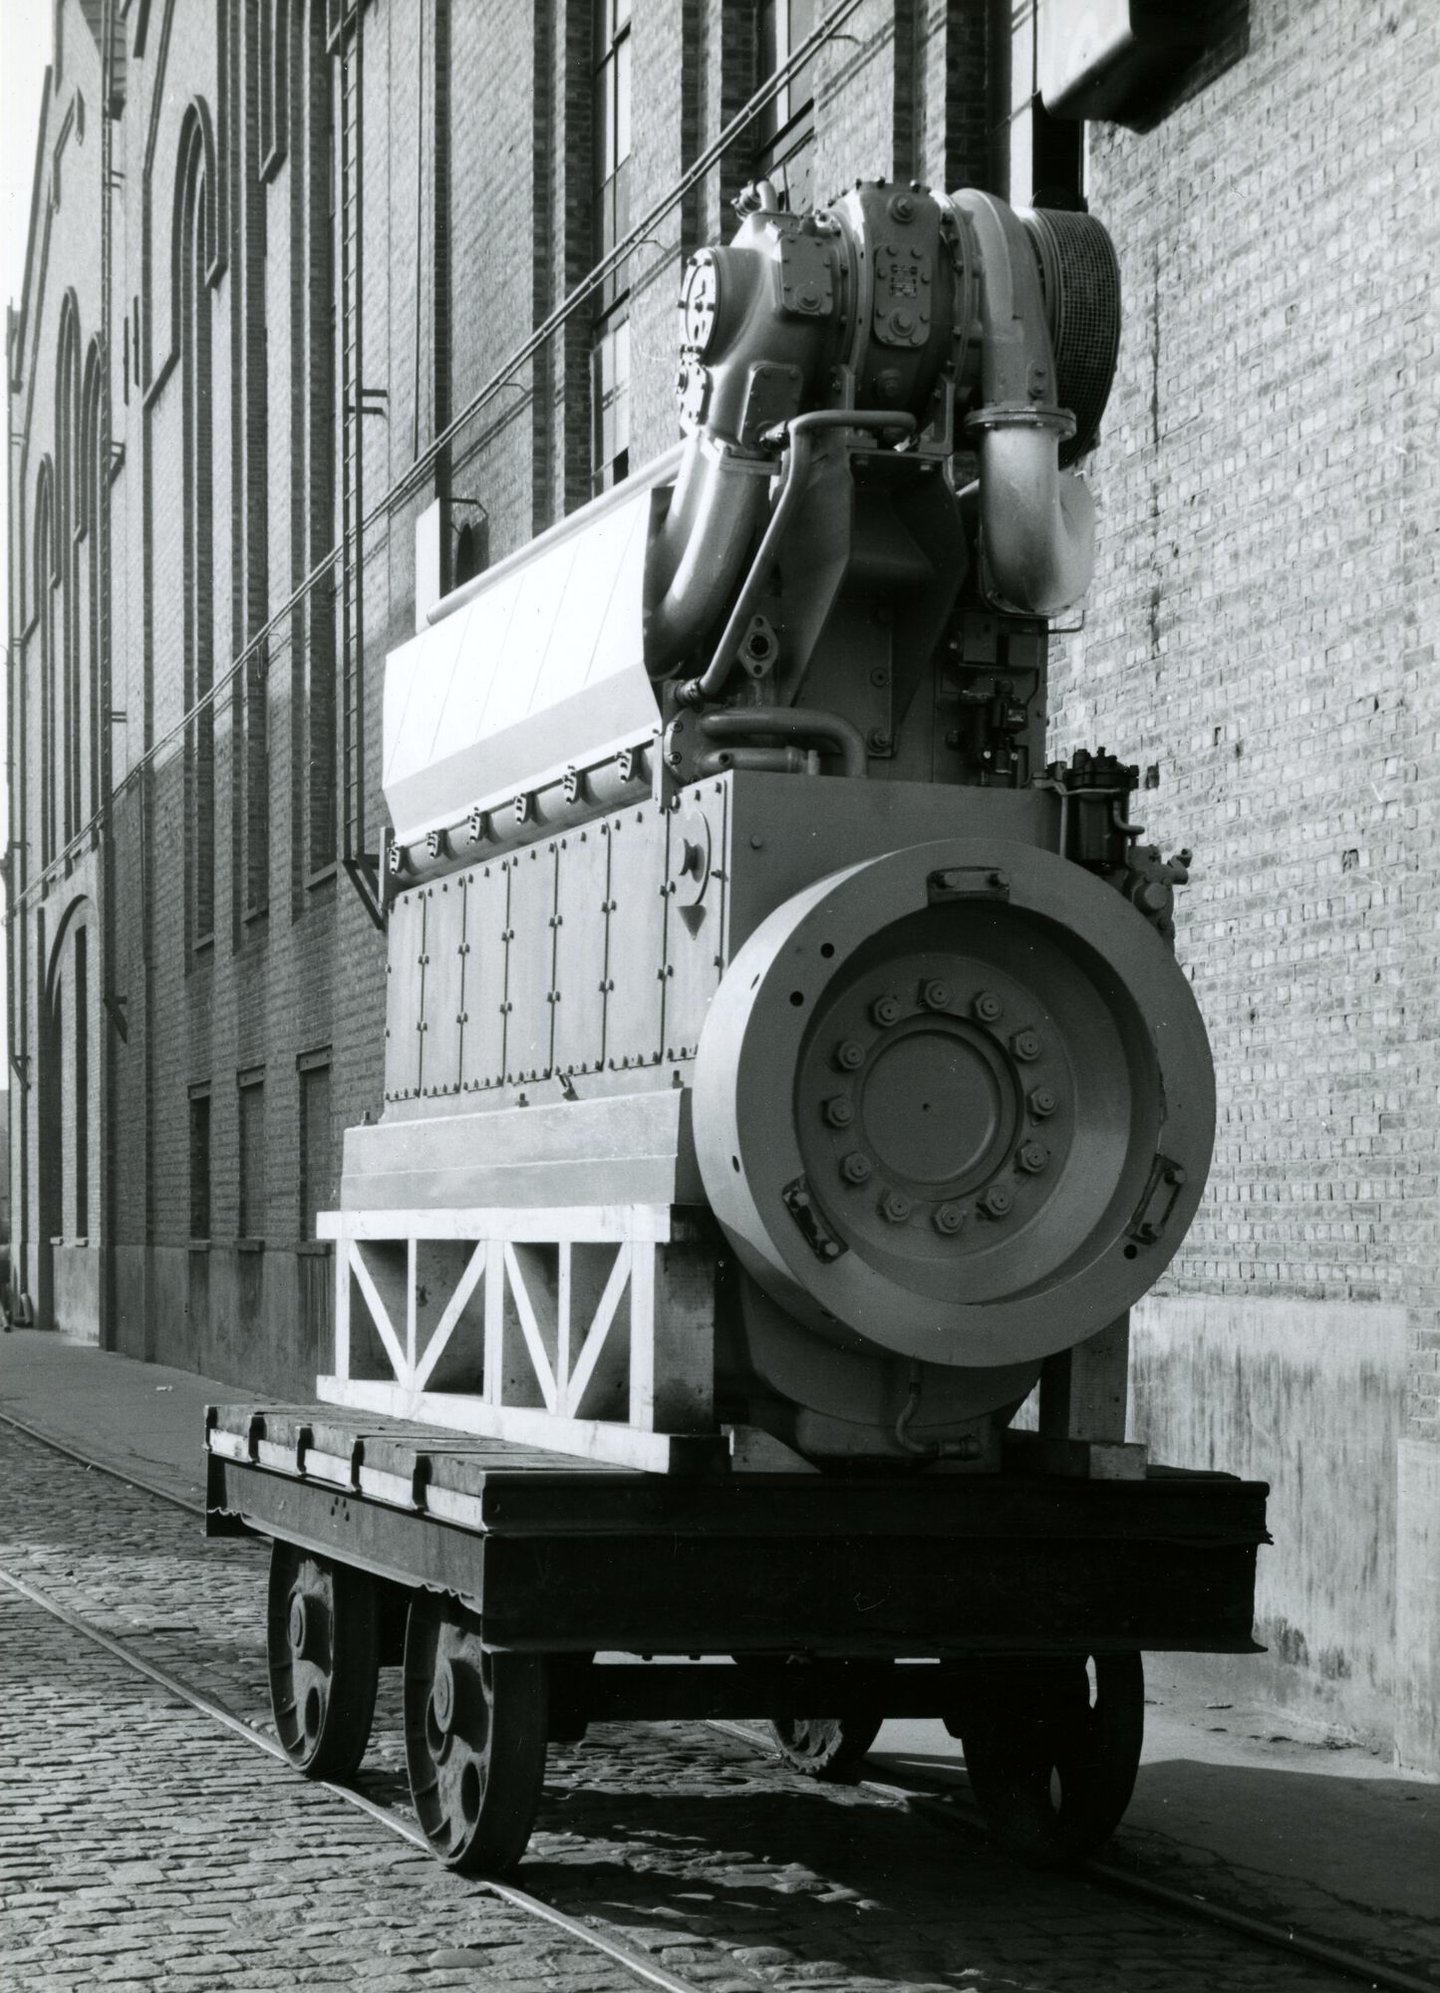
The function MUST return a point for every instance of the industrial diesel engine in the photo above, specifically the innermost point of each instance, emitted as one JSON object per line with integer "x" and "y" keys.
{"x": 778, "y": 1046}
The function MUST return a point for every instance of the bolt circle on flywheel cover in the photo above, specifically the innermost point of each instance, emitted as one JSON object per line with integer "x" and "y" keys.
{"x": 1064, "y": 1014}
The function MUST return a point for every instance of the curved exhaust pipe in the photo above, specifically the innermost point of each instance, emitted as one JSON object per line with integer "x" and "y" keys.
{"x": 1037, "y": 522}
{"x": 700, "y": 546}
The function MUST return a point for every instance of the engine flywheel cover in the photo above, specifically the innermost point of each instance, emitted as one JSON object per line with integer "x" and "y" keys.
{"x": 956, "y": 1102}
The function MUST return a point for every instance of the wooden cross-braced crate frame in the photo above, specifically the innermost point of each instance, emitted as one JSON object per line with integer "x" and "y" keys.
{"x": 587, "y": 1329}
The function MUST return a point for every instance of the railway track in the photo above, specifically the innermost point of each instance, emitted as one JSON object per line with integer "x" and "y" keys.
{"x": 934, "y": 1805}
{"x": 218, "y": 1712}
{"x": 951, "y": 1812}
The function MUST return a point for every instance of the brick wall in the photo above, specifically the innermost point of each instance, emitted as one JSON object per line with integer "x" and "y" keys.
{"x": 1258, "y": 637}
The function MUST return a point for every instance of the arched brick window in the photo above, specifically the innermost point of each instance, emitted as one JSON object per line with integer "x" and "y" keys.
{"x": 68, "y": 558}
{"x": 93, "y": 480}
{"x": 43, "y": 586}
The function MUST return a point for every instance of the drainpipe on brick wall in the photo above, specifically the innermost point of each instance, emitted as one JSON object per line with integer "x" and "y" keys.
{"x": 106, "y": 1079}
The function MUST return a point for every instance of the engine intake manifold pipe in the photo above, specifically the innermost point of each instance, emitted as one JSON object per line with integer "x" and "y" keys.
{"x": 800, "y": 726}
{"x": 712, "y": 681}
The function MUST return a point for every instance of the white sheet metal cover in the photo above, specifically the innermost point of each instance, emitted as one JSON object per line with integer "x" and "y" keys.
{"x": 542, "y": 668}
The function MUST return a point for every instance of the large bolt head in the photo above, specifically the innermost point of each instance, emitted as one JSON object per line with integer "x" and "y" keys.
{"x": 988, "y": 1007}
{"x": 849, "y": 1056}
{"x": 1026, "y": 1045}
{"x": 895, "y": 1207}
{"x": 948, "y": 1218}
{"x": 296, "y": 1625}
{"x": 997, "y": 1201}
{"x": 1033, "y": 1157}
{"x": 885, "y": 1010}
{"x": 442, "y": 1696}
{"x": 839, "y": 1112}
{"x": 1042, "y": 1101}
{"x": 855, "y": 1168}
{"x": 936, "y": 995}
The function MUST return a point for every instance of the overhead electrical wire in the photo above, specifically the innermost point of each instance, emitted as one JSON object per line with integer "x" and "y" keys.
{"x": 410, "y": 480}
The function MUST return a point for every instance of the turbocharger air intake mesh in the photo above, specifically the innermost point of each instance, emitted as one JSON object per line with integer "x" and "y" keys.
{"x": 1081, "y": 281}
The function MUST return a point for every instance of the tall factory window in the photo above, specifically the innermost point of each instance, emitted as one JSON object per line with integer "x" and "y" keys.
{"x": 610, "y": 360}
{"x": 68, "y": 522}
{"x": 200, "y": 1162}
{"x": 317, "y": 1140}
{"x": 315, "y": 332}
{"x": 93, "y": 479}
{"x": 43, "y": 575}
{"x": 1039, "y": 159}
{"x": 610, "y": 392}
{"x": 199, "y": 538}
{"x": 274, "y": 63}
{"x": 787, "y": 124}
{"x": 252, "y": 1153}
{"x": 82, "y": 1083}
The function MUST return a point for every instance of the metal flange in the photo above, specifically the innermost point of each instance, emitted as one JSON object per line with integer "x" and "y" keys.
{"x": 956, "y": 1103}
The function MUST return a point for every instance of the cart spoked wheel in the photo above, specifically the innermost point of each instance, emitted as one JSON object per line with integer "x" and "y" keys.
{"x": 475, "y": 1729}
{"x": 825, "y": 1747}
{"x": 322, "y": 1639}
{"x": 1052, "y": 1752}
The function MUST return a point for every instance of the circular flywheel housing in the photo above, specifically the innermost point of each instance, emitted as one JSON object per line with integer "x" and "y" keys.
{"x": 957, "y": 1103}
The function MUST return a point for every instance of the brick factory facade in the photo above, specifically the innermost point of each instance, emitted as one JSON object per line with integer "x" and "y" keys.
{"x": 278, "y": 250}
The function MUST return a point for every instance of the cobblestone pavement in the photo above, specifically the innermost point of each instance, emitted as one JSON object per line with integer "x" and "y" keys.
{"x": 141, "y": 1846}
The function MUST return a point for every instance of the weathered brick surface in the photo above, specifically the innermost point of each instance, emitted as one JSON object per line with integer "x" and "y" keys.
{"x": 1260, "y": 632}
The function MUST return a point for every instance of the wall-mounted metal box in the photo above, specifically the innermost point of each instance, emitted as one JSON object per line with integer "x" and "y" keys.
{"x": 1112, "y": 60}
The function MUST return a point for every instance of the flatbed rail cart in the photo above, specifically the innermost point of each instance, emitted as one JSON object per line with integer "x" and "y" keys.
{"x": 1014, "y": 1606}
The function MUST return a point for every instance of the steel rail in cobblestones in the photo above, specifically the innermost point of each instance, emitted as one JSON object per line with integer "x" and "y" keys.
{"x": 956, "y": 1818}
{"x": 99, "y": 1467}
{"x": 219, "y": 1712}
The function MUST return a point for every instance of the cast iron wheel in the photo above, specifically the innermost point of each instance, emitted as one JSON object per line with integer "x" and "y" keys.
{"x": 1052, "y": 1761}
{"x": 825, "y": 1747}
{"x": 475, "y": 1728}
{"x": 322, "y": 1639}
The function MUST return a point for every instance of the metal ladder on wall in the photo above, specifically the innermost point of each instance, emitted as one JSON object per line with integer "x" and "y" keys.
{"x": 360, "y": 864}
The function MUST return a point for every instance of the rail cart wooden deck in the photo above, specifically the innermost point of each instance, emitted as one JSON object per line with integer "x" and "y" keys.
{"x": 1014, "y": 1606}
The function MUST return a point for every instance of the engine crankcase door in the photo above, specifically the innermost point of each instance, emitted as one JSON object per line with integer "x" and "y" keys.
{"x": 957, "y": 1102}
